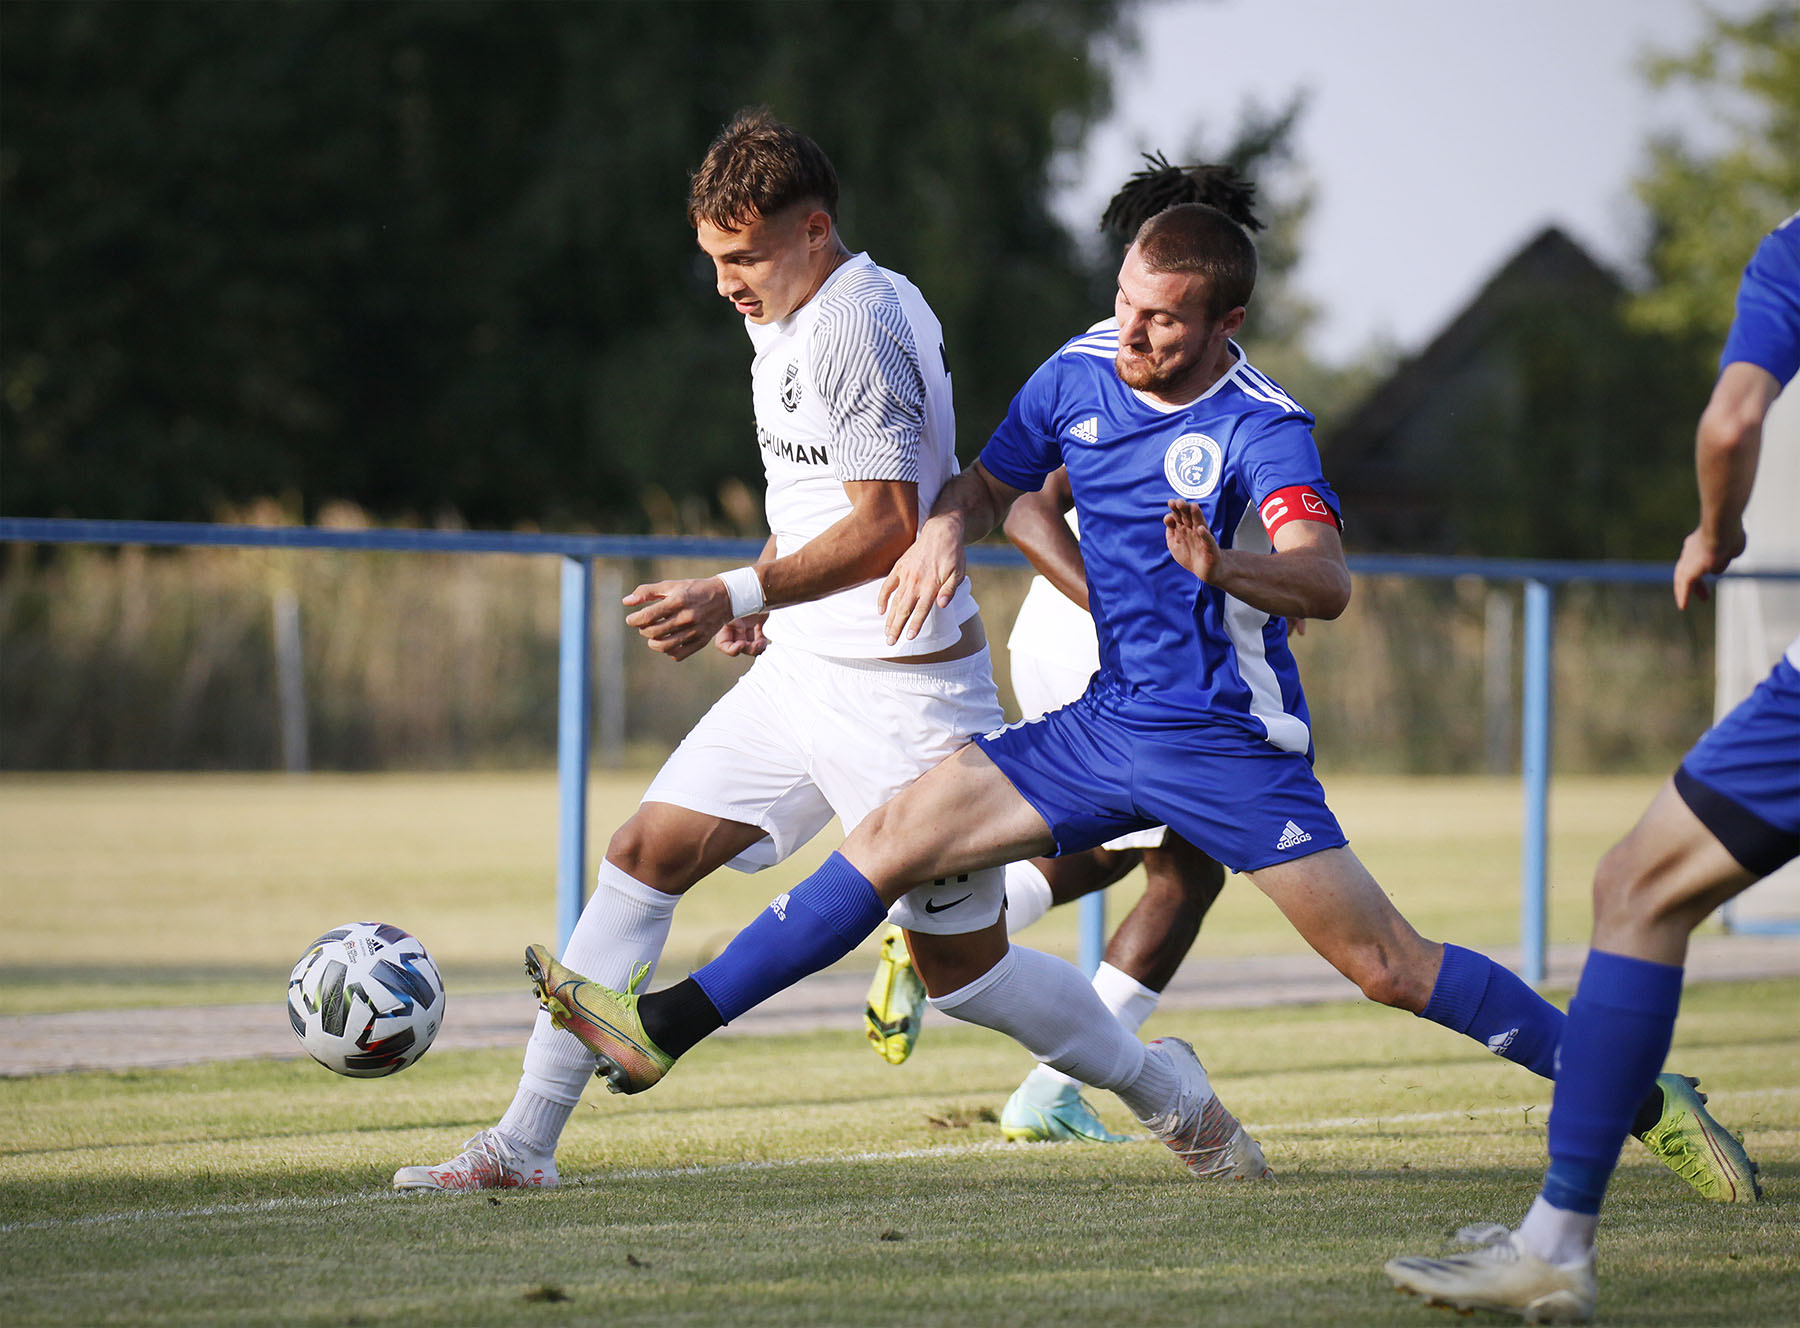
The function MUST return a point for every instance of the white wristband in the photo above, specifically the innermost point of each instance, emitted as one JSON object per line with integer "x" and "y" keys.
{"x": 746, "y": 590}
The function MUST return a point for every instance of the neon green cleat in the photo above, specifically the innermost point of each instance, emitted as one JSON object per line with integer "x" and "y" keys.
{"x": 1697, "y": 1148}
{"x": 1503, "y": 1276}
{"x": 896, "y": 1007}
{"x": 604, "y": 1021}
{"x": 1064, "y": 1116}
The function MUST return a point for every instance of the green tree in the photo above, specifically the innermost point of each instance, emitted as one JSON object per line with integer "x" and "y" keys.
{"x": 432, "y": 256}
{"x": 1709, "y": 208}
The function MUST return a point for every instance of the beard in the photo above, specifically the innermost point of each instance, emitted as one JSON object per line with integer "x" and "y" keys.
{"x": 1144, "y": 375}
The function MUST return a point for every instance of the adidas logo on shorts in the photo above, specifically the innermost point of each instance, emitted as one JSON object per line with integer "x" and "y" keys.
{"x": 1292, "y": 835}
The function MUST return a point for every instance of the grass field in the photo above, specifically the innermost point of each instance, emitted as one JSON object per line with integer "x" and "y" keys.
{"x": 799, "y": 1180}
{"x": 793, "y": 1180}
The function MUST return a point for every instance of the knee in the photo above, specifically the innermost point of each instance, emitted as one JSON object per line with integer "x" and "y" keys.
{"x": 1390, "y": 978}
{"x": 648, "y": 858}
{"x": 1619, "y": 885}
{"x": 1181, "y": 871}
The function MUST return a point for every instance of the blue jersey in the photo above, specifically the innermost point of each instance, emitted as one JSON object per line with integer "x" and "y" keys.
{"x": 1170, "y": 645}
{"x": 1766, "y": 331}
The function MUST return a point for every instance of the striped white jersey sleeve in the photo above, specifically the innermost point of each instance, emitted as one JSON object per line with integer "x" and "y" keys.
{"x": 865, "y": 368}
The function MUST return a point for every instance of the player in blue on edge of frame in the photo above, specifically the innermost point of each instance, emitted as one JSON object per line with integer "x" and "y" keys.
{"x": 1205, "y": 522}
{"x": 1728, "y": 817}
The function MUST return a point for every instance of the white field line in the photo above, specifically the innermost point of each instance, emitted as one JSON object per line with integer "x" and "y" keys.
{"x": 325, "y": 1202}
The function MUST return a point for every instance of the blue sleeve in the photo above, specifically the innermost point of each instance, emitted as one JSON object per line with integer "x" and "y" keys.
{"x": 1025, "y": 448}
{"x": 1766, "y": 331}
{"x": 1282, "y": 454}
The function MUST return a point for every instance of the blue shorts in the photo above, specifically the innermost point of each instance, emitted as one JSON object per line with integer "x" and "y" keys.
{"x": 1742, "y": 779}
{"x": 1095, "y": 770}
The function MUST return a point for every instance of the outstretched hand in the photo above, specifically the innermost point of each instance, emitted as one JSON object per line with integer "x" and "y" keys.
{"x": 925, "y": 577}
{"x": 677, "y": 618}
{"x": 1190, "y": 539}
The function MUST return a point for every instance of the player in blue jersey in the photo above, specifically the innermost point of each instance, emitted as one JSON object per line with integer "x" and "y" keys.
{"x": 1053, "y": 655}
{"x": 1728, "y": 817}
{"x": 1206, "y": 522}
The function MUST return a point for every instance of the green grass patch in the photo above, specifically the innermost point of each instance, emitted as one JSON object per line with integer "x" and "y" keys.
{"x": 800, "y": 1180}
{"x": 147, "y": 890}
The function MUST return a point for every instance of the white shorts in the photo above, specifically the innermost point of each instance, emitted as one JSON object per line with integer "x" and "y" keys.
{"x": 803, "y": 737}
{"x": 1043, "y": 685}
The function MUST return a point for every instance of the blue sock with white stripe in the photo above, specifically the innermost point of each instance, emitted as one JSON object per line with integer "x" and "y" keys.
{"x": 1476, "y": 996}
{"x": 1619, "y": 1028}
{"x": 813, "y": 925}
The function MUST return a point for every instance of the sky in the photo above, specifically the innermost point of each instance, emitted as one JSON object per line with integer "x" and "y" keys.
{"x": 1439, "y": 136}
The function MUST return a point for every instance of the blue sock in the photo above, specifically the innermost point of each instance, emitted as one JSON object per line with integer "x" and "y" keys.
{"x": 1474, "y": 995}
{"x": 816, "y": 923}
{"x": 1620, "y": 1025}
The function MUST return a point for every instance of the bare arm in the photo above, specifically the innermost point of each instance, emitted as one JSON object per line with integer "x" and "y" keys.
{"x": 1304, "y": 577}
{"x": 928, "y": 573}
{"x": 1035, "y": 524}
{"x": 1726, "y": 448}
{"x": 744, "y": 636}
{"x": 679, "y": 617}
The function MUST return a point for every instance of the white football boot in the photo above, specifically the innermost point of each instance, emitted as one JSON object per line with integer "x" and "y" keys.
{"x": 1200, "y": 1131}
{"x": 1502, "y": 1275}
{"x": 489, "y": 1161}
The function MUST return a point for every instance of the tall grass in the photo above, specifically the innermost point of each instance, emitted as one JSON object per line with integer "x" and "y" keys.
{"x": 131, "y": 659}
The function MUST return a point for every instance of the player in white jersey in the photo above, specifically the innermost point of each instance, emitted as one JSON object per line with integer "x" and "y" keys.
{"x": 854, "y": 422}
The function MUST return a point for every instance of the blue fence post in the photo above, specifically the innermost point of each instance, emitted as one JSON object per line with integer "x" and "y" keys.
{"x": 1093, "y": 931}
{"x": 573, "y": 692}
{"x": 1534, "y": 765}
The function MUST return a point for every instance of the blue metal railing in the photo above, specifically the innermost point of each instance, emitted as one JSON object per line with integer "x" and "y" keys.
{"x": 575, "y": 661}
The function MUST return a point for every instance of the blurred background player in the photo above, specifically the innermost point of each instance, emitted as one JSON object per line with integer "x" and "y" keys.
{"x": 1728, "y": 817}
{"x": 854, "y": 419}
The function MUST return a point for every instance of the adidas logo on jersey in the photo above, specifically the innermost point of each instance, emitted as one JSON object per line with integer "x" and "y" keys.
{"x": 1292, "y": 835}
{"x": 1088, "y": 430}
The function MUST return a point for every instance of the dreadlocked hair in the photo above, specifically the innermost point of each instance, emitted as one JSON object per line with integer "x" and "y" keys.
{"x": 1160, "y": 186}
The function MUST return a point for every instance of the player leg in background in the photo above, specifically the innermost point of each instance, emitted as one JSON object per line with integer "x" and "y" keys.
{"x": 959, "y": 818}
{"x": 1180, "y": 884}
{"x": 893, "y": 1018}
{"x": 652, "y": 860}
{"x": 1335, "y": 904}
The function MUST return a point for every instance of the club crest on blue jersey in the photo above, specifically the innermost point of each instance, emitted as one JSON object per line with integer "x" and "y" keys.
{"x": 1193, "y": 465}
{"x": 790, "y": 386}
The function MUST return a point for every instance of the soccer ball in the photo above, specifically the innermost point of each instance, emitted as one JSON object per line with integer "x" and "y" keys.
{"x": 365, "y": 1000}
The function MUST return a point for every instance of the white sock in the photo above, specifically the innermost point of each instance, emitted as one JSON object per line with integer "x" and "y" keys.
{"x": 1046, "y": 1004}
{"x": 1027, "y": 896}
{"x": 1131, "y": 1003}
{"x": 1130, "y": 1000}
{"x": 1153, "y": 1092}
{"x": 1557, "y": 1235}
{"x": 623, "y": 925}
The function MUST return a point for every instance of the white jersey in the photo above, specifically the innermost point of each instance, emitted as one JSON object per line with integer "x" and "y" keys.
{"x": 1053, "y": 627}
{"x": 852, "y": 386}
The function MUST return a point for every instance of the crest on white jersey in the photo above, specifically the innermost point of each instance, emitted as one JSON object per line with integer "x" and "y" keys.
{"x": 1088, "y": 431}
{"x": 790, "y": 386}
{"x": 1193, "y": 465}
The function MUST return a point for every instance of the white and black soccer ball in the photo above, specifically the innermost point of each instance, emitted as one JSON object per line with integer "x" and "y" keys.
{"x": 365, "y": 1000}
